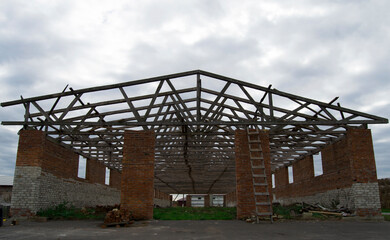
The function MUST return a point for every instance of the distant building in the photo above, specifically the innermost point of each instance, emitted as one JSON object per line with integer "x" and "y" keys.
{"x": 181, "y": 202}
{"x": 6, "y": 183}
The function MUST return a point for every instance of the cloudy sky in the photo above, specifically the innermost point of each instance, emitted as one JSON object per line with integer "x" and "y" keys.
{"x": 317, "y": 49}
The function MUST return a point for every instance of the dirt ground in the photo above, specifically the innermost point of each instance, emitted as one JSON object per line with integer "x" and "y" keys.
{"x": 210, "y": 229}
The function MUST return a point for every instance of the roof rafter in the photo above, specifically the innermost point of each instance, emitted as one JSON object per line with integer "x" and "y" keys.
{"x": 194, "y": 124}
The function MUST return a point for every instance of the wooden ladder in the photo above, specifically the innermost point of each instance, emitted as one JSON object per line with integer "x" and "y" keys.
{"x": 259, "y": 176}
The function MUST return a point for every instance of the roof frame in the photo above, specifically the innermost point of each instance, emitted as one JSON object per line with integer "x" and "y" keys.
{"x": 194, "y": 135}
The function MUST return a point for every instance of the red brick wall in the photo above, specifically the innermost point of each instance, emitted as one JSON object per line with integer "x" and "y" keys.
{"x": 335, "y": 157}
{"x": 303, "y": 169}
{"x": 30, "y": 149}
{"x": 281, "y": 177}
{"x": 188, "y": 201}
{"x": 344, "y": 162}
{"x": 59, "y": 161}
{"x": 35, "y": 150}
{"x": 161, "y": 195}
{"x": 230, "y": 199}
{"x": 96, "y": 172}
{"x": 363, "y": 167}
{"x": 207, "y": 200}
{"x": 244, "y": 186}
{"x": 115, "y": 179}
{"x": 47, "y": 171}
{"x": 138, "y": 173}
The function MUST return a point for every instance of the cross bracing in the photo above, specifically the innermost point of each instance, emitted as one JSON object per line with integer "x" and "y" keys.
{"x": 194, "y": 115}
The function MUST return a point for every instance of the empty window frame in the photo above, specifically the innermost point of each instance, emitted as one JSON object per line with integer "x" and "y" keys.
{"x": 107, "y": 180}
{"x": 81, "y": 173}
{"x": 290, "y": 174}
{"x": 273, "y": 180}
{"x": 317, "y": 163}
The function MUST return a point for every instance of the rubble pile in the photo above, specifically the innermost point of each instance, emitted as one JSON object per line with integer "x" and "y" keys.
{"x": 118, "y": 216}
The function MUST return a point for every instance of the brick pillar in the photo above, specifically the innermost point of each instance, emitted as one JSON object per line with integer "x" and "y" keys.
{"x": 25, "y": 192}
{"x": 207, "y": 200}
{"x": 365, "y": 190}
{"x": 138, "y": 173}
{"x": 244, "y": 185}
{"x": 188, "y": 201}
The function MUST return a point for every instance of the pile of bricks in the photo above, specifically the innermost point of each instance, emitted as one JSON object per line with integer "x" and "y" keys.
{"x": 117, "y": 216}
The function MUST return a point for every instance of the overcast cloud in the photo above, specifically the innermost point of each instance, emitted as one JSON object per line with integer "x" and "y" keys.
{"x": 317, "y": 49}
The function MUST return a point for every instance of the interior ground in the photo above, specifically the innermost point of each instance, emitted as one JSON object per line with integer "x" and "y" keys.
{"x": 199, "y": 230}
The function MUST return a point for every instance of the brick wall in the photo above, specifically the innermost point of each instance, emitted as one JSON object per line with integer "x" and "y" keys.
{"x": 46, "y": 175}
{"x": 30, "y": 149}
{"x": 231, "y": 199}
{"x": 244, "y": 185}
{"x": 58, "y": 160}
{"x": 207, "y": 200}
{"x": 162, "y": 199}
{"x": 95, "y": 172}
{"x": 349, "y": 176}
{"x": 138, "y": 173}
{"x": 188, "y": 201}
{"x": 363, "y": 168}
{"x": 115, "y": 179}
{"x": 303, "y": 169}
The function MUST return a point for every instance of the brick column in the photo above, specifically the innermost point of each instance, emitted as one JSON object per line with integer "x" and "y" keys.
{"x": 138, "y": 173}
{"x": 365, "y": 190}
{"x": 207, "y": 200}
{"x": 25, "y": 192}
{"x": 244, "y": 185}
{"x": 188, "y": 201}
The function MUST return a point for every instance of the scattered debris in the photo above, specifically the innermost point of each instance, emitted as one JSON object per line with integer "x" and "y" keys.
{"x": 309, "y": 211}
{"x": 118, "y": 218}
{"x": 327, "y": 213}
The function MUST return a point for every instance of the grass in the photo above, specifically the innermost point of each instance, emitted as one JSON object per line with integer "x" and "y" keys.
{"x": 386, "y": 210}
{"x": 192, "y": 213}
{"x": 66, "y": 211}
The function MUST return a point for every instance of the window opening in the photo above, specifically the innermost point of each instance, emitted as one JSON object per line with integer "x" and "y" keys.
{"x": 290, "y": 174}
{"x": 317, "y": 163}
{"x": 81, "y": 173}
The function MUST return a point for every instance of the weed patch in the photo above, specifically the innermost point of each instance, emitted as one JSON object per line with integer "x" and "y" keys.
{"x": 287, "y": 212}
{"x": 191, "y": 213}
{"x": 67, "y": 211}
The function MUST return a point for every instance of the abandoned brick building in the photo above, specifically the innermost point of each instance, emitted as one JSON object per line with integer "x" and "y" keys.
{"x": 193, "y": 133}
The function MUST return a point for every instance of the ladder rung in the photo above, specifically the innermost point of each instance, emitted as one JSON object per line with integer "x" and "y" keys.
{"x": 260, "y": 184}
{"x": 255, "y": 149}
{"x": 264, "y": 213}
{"x": 261, "y": 193}
{"x": 258, "y": 175}
{"x": 254, "y": 141}
{"x": 257, "y": 158}
{"x": 263, "y": 203}
{"x": 258, "y": 167}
